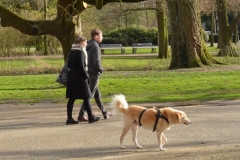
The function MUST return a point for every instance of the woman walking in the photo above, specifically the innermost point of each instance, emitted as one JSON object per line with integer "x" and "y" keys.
{"x": 78, "y": 78}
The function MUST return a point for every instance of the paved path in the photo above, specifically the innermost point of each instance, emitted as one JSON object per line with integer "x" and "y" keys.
{"x": 39, "y": 132}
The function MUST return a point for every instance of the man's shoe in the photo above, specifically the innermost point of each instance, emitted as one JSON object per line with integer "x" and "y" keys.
{"x": 71, "y": 121}
{"x": 107, "y": 115}
{"x": 82, "y": 119}
{"x": 93, "y": 119}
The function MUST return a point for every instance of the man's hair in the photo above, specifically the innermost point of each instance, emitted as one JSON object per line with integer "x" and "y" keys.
{"x": 95, "y": 32}
{"x": 79, "y": 39}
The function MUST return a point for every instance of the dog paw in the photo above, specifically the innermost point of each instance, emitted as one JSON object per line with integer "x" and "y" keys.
{"x": 140, "y": 147}
{"x": 162, "y": 149}
{"x": 122, "y": 147}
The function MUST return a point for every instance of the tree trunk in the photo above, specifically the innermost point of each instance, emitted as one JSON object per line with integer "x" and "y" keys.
{"x": 188, "y": 46}
{"x": 236, "y": 35}
{"x": 212, "y": 29}
{"x": 46, "y": 52}
{"x": 225, "y": 31}
{"x": 162, "y": 30}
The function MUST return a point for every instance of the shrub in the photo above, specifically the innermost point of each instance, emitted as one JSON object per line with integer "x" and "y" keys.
{"x": 131, "y": 35}
{"x": 205, "y": 35}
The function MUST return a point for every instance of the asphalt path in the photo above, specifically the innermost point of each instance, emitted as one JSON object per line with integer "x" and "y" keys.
{"x": 38, "y": 131}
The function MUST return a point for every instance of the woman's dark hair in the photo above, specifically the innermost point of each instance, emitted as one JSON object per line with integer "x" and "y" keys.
{"x": 79, "y": 39}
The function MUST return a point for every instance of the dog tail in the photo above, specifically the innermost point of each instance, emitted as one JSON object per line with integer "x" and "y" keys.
{"x": 119, "y": 103}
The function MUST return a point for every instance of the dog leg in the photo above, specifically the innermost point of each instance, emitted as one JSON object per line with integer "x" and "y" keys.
{"x": 134, "y": 135}
{"x": 164, "y": 139}
{"x": 126, "y": 129}
{"x": 160, "y": 135}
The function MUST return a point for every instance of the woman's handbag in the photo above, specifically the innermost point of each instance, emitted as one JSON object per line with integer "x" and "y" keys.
{"x": 63, "y": 75}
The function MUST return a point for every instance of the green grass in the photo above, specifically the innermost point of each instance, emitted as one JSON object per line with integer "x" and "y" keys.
{"x": 53, "y": 64}
{"x": 154, "y": 86}
{"x": 31, "y": 65}
{"x": 140, "y": 78}
{"x": 213, "y": 49}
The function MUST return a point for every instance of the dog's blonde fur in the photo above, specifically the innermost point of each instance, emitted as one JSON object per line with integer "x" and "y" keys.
{"x": 131, "y": 119}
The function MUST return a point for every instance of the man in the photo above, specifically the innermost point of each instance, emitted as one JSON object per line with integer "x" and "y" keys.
{"x": 95, "y": 70}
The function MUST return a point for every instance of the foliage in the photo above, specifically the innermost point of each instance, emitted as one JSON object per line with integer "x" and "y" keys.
{"x": 205, "y": 35}
{"x": 14, "y": 42}
{"x": 112, "y": 16}
{"x": 207, "y": 19}
{"x": 132, "y": 34}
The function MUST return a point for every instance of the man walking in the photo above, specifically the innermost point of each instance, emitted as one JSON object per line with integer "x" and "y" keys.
{"x": 95, "y": 70}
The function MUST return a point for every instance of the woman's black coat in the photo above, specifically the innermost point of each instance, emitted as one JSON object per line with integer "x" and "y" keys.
{"x": 77, "y": 83}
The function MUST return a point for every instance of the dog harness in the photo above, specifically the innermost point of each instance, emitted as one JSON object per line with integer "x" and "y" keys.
{"x": 158, "y": 115}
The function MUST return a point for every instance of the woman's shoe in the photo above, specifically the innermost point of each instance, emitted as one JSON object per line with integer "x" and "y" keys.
{"x": 71, "y": 121}
{"x": 82, "y": 118}
{"x": 93, "y": 119}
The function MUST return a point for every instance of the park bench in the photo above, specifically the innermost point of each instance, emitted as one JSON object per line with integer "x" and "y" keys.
{"x": 143, "y": 45}
{"x": 112, "y": 46}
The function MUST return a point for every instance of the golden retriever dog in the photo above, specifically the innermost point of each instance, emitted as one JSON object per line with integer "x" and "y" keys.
{"x": 154, "y": 119}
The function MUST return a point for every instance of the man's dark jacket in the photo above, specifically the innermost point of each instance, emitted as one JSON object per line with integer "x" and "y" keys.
{"x": 94, "y": 58}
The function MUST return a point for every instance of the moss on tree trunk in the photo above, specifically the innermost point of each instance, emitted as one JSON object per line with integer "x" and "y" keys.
{"x": 188, "y": 46}
{"x": 162, "y": 30}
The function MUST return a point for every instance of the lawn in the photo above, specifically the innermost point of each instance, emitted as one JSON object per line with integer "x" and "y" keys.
{"x": 151, "y": 86}
{"x": 140, "y": 78}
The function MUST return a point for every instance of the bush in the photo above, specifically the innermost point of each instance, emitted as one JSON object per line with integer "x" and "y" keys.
{"x": 205, "y": 35}
{"x": 15, "y": 43}
{"x": 131, "y": 35}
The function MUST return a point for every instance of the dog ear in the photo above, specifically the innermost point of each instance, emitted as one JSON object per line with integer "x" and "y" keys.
{"x": 179, "y": 115}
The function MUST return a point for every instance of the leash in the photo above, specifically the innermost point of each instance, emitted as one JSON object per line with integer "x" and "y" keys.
{"x": 158, "y": 115}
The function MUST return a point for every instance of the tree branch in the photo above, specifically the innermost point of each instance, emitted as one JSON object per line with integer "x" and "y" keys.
{"x": 29, "y": 27}
{"x": 70, "y": 7}
{"x": 100, "y": 3}
{"x": 137, "y": 9}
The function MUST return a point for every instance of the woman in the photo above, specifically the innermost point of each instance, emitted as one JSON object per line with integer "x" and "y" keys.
{"x": 77, "y": 84}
